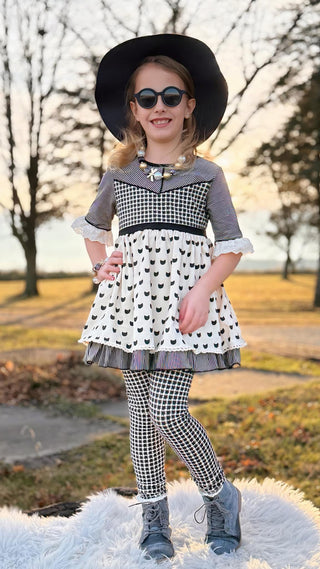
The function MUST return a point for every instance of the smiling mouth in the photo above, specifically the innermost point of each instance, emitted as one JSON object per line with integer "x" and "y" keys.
{"x": 160, "y": 122}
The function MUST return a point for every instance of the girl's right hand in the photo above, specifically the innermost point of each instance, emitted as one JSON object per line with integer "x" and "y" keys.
{"x": 110, "y": 266}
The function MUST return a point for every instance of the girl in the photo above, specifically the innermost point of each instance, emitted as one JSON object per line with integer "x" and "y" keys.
{"x": 161, "y": 312}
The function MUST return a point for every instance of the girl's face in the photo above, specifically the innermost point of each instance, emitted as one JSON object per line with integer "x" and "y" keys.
{"x": 161, "y": 123}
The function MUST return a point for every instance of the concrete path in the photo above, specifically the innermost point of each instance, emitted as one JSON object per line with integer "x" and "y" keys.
{"x": 240, "y": 381}
{"x": 28, "y": 432}
{"x": 286, "y": 340}
{"x": 31, "y": 433}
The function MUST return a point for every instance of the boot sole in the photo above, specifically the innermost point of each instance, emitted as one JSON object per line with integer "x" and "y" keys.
{"x": 159, "y": 559}
{"x": 239, "y": 500}
{"x": 239, "y": 507}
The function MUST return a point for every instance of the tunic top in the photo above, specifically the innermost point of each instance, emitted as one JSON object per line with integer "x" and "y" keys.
{"x": 134, "y": 320}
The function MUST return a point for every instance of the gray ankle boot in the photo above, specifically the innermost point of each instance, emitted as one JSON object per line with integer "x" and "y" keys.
{"x": 156, "y": 533}
{"x": 223, "y": 533}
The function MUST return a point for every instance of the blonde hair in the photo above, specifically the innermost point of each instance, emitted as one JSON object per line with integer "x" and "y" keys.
{"x": 134, "y": 137}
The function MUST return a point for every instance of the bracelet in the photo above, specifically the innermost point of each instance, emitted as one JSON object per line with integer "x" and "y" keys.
{"x": 96, "y": 268}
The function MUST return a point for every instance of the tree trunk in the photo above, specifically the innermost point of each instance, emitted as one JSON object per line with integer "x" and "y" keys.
{"x": 285, "y": 271}
{"x": 31, "y": 287}
{"x": 288, "y": 263}
{"x": 316, "y": 303}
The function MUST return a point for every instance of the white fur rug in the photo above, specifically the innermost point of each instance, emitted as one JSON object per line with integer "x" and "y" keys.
{"x": 280, "y": 531}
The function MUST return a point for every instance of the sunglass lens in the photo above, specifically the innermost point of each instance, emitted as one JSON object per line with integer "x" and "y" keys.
{"x": 172, "y": 97}
{"x": 147, "y": 98}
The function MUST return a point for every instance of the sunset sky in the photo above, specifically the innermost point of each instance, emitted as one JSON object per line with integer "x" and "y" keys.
{"x": 58, "y": 247}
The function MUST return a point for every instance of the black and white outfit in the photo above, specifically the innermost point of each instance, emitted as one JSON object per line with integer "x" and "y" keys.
{"x": 134, "y": 321}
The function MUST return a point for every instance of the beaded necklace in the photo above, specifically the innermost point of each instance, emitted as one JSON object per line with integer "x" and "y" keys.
{"x": 154, "y": 173}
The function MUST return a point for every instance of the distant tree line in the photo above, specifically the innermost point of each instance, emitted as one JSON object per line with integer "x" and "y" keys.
{"x": 52, "y": 134}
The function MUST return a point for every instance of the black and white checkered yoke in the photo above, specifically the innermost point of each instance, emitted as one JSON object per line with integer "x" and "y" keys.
{"x": 183, "y": 206}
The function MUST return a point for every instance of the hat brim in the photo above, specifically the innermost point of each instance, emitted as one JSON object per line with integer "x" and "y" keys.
{"x": 117, "y": 66}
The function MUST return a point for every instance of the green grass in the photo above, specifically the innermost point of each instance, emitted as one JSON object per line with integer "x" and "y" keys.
{"x": 81, "y": 409}
{"x": 277, "y": 435}
{"x": 257, "y": 298}
{"x": 13, "y": 337}
{"x": 77, "y": 473}
{"x": 281, "y": 364}
{"x": 269, "y": 300}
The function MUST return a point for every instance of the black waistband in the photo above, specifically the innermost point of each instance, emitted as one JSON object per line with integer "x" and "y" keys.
{"x": 160, "y": 225}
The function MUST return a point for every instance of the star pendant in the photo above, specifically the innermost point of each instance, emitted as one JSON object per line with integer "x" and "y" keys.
{"x": 152, "y": 173}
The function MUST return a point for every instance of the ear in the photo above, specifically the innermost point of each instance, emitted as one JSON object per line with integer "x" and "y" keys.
{"x": 133, "y": 107}
{"x": 191, "y": 103}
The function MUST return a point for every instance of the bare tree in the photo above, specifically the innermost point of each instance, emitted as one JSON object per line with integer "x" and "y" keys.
{"x": 75, "y": 132}
{"x": 286, "y": 224}
{"x": 179, "y": 17}
{"x": 25, "y": 27}
{"x": 293, "y": 160}
{"x": 294, "y": 211}
{"x": 285, "y": 55}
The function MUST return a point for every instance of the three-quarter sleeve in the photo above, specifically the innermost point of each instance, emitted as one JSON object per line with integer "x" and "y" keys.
{"x": 223, "y": 218}
{"x": 96, "y": 224}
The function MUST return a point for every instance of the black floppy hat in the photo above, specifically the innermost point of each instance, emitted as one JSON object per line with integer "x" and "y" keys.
{"x": 117, "y": 66}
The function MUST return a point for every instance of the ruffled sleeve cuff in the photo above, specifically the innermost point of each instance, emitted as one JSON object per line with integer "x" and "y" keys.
{"x": 88, "y": 231}
{"x": 239, "y": 245}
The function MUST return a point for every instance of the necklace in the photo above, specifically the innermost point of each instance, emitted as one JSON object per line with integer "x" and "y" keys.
{"x": 154, "y": 173}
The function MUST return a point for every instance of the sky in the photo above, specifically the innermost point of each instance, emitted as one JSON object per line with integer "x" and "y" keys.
{"x": 59, "y": 248}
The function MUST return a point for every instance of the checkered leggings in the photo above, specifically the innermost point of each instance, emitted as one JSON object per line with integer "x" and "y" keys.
{"x": 158, "y": 409}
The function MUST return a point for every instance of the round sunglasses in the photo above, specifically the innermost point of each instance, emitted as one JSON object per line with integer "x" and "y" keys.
{"x": 171, "y": 97}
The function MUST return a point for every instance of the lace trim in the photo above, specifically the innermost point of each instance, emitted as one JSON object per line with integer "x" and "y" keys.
{"x": 165, "y": 349}
{"x": 239, "y": 245}
{"x": 81, "y": 226}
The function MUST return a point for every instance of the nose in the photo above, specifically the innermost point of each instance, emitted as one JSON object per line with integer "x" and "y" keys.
{"x": 159, "y": 106}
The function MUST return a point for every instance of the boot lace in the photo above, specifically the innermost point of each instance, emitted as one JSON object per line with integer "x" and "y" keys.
{"x": 216, "y": 515}
{"x": 152, "y": 515}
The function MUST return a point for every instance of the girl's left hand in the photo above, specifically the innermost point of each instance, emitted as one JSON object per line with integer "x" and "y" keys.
{"x": 194, "y": 310}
